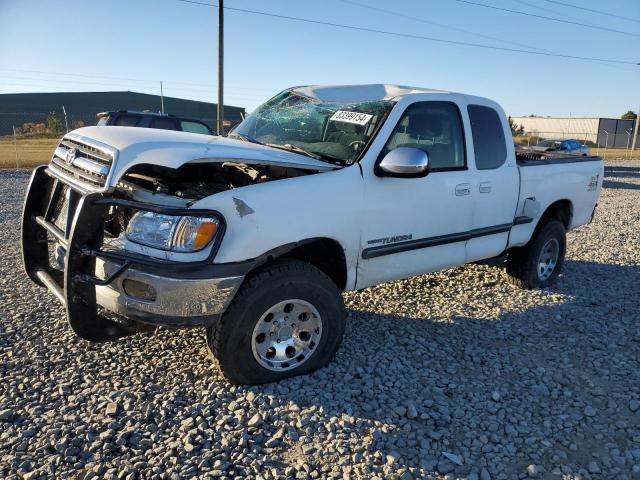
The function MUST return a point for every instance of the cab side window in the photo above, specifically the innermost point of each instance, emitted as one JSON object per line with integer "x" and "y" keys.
{"x": 489, "y": 144}
{"x": 434, "y": 127}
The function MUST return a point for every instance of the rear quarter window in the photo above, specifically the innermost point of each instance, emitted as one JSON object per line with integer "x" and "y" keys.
{"x": 127, "y": 120}
{"x": 164, "y": 123}
{"x": 194, "y": 127}
{"x": 489, "y": 144}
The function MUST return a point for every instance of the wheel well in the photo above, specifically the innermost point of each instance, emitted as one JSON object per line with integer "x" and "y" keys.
{"x": 561, "y": 210}
{"x": 326, "y": 255}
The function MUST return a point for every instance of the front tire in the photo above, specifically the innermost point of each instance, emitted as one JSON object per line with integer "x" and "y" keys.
{"x": 539, "y": 262}
{"x": 287, "y": 319}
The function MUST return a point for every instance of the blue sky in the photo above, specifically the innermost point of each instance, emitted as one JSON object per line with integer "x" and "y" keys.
{"x": 47, "y": 45}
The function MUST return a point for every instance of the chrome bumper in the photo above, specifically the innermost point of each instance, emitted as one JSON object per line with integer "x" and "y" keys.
{"x": 177, "y": 301}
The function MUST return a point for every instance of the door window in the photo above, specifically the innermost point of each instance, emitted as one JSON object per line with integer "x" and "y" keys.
{"x": 434, "y": 127}
{"x": 488, "y": 137}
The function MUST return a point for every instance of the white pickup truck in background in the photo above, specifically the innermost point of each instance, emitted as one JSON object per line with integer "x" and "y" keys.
{"x": 321, "y": 189}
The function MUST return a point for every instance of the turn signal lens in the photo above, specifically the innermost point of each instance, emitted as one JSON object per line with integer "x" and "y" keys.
{"x": 205, "y": 233}
{"x": 194, "y": 233}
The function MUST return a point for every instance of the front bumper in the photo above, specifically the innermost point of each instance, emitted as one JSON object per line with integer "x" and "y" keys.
{"x": 184, "y": 294}
{"x": 177, "y": 301}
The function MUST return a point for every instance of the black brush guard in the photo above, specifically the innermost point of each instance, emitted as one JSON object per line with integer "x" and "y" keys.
{"x": 75, "y": 286}
{"x": 82, "y": 239}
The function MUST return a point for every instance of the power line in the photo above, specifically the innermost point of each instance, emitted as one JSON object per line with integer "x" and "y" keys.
{"x": 103, "y": 77}
{"x": 438, "y": 24}
{"x": 451, "y": 27}
{"x": 409, "y": 35}
{"x": 553, "y": 19}
{"x": 11, "y": 85}
{"x": 592, "y": 10}
{"x": 537, "y": 8}
{"x": 120, "y": 85}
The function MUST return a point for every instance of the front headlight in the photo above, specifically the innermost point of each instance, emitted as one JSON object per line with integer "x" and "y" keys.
{"x": 167, "y": 232}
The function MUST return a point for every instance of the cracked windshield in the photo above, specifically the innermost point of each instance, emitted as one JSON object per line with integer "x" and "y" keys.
{"x": 330, "y": 131}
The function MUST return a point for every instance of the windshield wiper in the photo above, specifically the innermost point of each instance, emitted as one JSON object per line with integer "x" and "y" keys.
{"x": 293, "y": 148}
{"x": 246, "y": 138}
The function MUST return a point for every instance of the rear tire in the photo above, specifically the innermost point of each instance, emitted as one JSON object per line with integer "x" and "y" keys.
{"x": 539, "y": 262}
{"x": 287, "y": 319}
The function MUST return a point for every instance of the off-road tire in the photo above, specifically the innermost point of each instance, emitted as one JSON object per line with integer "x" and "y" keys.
{"x": 522, "y": 262}
{"x": 229, "y": 339}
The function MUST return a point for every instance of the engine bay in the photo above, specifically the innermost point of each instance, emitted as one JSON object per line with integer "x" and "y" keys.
{"x": 184, "y": 186}
{"x": 195, "y": 181}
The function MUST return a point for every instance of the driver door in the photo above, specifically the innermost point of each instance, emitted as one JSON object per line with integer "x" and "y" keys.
{"x": 418, "y": 225}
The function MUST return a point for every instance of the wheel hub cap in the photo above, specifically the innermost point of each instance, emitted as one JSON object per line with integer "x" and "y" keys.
{"x": 286, "y": 335}
{"x": 548, "y": 259}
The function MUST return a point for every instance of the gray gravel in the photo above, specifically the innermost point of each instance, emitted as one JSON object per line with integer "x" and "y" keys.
{"x": 454, "y": 375}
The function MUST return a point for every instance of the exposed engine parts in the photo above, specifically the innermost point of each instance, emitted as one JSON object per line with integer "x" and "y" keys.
{"x": 195, "y": 181}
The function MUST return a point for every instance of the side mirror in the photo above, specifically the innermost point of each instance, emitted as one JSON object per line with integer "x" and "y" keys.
{"x": 404, "y": 162}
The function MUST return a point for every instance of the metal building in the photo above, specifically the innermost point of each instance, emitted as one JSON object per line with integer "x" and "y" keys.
{"x": 19, "y": 108}
{"x": 605, "y": 132}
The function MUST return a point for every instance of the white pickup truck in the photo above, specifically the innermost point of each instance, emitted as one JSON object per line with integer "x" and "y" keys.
{"x": 322, "y": 189}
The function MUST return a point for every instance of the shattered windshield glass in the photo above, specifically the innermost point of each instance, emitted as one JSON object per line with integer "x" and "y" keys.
{"x": 331, "y": 131}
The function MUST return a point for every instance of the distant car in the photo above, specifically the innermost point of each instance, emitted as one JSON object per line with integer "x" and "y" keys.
{"x": 570, "y": 147}
{"x": 128, "y": 118}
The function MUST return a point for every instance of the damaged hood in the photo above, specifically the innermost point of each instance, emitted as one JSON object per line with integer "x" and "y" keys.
{"x": 173, "y": 149}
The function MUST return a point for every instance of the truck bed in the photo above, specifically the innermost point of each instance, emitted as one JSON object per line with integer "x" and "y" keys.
{"x": 566, "y": 178}
{"x": 532, "y": 159}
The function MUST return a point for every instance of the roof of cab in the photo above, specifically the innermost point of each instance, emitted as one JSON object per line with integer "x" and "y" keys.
{"x": 360, "y": 93}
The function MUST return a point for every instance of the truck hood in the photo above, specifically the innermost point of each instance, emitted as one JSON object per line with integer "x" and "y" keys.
{"x": 173, "y": 149}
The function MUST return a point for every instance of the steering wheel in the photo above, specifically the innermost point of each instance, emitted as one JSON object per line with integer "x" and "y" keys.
{"x": 358, "y": 143}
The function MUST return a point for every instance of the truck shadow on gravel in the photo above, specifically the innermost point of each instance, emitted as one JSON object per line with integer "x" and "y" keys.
{"x": 621, "y": 171}
{"x": 618, "y": 172}
{"x": 533, "y": 385}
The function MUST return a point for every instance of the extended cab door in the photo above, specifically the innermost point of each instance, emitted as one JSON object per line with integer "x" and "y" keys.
{"x": 416, "y": 225}
{"x": 496, "y": 182}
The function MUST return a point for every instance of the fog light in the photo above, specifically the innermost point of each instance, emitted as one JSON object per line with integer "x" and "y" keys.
{"x": 139, "y": 290}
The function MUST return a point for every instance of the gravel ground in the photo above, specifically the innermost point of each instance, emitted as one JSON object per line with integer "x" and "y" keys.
{"x": 454, "y": 374}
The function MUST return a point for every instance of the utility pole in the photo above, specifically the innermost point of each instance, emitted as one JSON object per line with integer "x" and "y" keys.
{"x": 220, "y": 119}
{"x": 161, "y": 99}
{"x": 635, "y": 132}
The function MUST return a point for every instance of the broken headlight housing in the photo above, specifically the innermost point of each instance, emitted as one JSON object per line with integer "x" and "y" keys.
{"x": 174, "y": 233}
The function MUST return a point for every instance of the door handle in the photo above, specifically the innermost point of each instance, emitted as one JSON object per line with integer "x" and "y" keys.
{"x": 463, "y": 189}
{"x": 485, "y": 187}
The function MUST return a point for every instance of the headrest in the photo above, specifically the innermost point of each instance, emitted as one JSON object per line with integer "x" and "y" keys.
{"x": 347, "y": 127}
{"x": 425, "y": 125}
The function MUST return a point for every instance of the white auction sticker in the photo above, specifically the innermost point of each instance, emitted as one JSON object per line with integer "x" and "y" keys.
{"x": 351, "y": 117}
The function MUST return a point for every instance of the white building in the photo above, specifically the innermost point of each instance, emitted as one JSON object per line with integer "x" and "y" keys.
{"x": 610, "y": 132}
{"x": 557, "y": 128}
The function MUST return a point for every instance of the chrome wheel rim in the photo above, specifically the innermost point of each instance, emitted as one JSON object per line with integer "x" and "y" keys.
{"x": 548, "y": 259}
{"x": 286, "y": 335}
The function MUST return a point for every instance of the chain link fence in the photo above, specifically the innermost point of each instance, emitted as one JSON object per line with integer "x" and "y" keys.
{"x": 604, "y": 144}
{"x": 27, "y": 140}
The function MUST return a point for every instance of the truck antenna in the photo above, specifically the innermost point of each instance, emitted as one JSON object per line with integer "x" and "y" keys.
{"x": 161, "y": 99}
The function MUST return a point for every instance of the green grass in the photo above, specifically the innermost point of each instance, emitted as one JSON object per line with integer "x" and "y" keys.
{"x": 612, "y": 153}
{"x": 30, "y": 152}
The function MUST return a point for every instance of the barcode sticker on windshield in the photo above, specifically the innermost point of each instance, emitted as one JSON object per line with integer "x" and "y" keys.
{"x": 351, "y": 117}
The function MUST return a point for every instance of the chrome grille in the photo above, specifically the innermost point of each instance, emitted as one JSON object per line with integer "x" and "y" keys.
{"x": 82, "y": 162}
